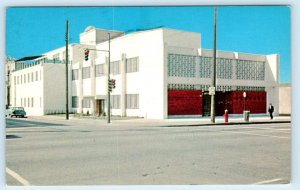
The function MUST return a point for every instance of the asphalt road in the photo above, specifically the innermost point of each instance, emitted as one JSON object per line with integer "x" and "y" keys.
{"x": 80, "y": 152}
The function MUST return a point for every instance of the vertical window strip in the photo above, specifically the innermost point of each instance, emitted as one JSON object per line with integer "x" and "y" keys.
{"x": 132, "y": 101}
{"x": 36, "y": 76}
{"x": 86, "y": 72}
{"x": 132, "y": 65}
{"x": 115, "y": 70}
{"x": 75, "y": 74}
{"x": 74, "y": 101}
{"x": 99, "y": 70}
{"x": 115, "y": 104}
{"x": 86, "y": 103}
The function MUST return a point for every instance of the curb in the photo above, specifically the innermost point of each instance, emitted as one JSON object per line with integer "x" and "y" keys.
{"x": 230, "y": 123}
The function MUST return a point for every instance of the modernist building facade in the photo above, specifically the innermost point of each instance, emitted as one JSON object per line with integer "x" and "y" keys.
{"x": 159, "y": 73}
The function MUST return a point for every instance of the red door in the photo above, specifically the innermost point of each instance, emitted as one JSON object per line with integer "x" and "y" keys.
{"x": 184, "y": 102}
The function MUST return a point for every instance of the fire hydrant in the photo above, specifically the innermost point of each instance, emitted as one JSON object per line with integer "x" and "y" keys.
{"x": 226, "y": 116}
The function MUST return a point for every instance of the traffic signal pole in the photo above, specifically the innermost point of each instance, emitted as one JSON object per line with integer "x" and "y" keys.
{"x": 108, "y": 81}
{"x": 67, "y": 70}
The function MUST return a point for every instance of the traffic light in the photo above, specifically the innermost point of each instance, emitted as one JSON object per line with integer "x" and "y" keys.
{"x": 111, "y": 84}
{"x": 86, "y": 54}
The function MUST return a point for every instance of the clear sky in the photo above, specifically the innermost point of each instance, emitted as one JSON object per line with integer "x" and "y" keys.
{"x": 249, "y": 29}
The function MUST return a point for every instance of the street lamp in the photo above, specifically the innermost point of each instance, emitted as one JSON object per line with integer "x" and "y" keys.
{"x": 244, "y": 95}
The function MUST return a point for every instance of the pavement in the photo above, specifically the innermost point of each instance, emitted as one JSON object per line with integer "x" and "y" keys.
{"x": 171, "y": 122}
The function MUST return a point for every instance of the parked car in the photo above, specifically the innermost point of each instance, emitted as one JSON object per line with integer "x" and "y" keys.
{"x": 15, "y": 111}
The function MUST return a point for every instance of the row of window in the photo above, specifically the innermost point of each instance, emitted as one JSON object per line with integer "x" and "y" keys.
{"x": 132, "y": 101}
{"x": 27, "y": 102}
{"x": 27, "y": 78}
{"x": 131, "y": 65}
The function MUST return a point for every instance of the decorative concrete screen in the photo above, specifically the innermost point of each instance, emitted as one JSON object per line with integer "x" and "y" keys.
{"x": 184, "y": 102}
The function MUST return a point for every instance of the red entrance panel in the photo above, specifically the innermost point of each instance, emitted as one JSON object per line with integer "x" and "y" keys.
{"x": 184, "y": 102}
{"x": 255, "y": 102}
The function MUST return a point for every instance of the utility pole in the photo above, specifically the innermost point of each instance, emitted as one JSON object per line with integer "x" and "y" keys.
{"x": 8, "y": 86}
{"x": 108, "y": 81}
{"x": 67, "y": 70}
{"x": 213, "y": 104}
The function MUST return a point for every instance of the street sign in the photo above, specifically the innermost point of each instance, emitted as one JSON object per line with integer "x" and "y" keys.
{"x": 212, "y": 90}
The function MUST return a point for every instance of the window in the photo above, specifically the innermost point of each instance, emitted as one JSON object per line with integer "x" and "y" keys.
{"x": 22, "y": 102}
{"x": 28, "y": 102}
{"x": 32, "y": 77}
{"x": 21, "y": 79}
{"x": 32, "y": 104}
{"x": 28, "y": 76}
{"x": 115, "y": 101}
{"x": 99, "y": 70}
{"x": 24, "y": 78}
{"x": 115, "y": 67}
{"x": 132, "y": 65}
{"x": 86, "y": 103}
{"x": 18, "y": 80}
{"x": 74, "y": 101}
{"x": 132, "y": 101}
{"x": 15, "y": 81}
{"x": 75, "y": 74}
{"x": 86, "y": 72}
{"x": 36, "y": 76}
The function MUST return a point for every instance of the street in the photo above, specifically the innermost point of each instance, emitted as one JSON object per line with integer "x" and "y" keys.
{"x": 84, "y": 152}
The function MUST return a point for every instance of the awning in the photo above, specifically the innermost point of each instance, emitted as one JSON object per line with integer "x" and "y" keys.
{"x": 29, "y": 58}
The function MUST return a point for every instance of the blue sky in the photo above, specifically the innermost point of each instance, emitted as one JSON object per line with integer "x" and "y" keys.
{"x": 249, "y": 29}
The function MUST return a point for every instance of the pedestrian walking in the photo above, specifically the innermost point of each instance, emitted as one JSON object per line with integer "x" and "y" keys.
{"x": 271, "y": 110}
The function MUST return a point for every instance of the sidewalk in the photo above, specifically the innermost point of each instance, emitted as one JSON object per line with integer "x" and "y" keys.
{"x": 201, "y": 121}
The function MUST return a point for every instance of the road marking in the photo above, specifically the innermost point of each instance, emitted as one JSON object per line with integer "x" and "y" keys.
{"x": 256, "y": 134}
{"x": 268, "y": 181}
{"x": 17, "y": 177}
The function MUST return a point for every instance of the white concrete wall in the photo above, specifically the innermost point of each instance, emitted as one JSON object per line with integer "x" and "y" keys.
{"x": 54, "y": 88}
{"x": 285, "y": 99}
{"x": 148, "y": 82}
{"x": 93, "y": 36}
{"x": 272, "y": 81}
{"x": 29, "y": 90}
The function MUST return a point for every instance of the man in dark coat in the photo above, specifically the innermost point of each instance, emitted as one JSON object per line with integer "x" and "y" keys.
{"x": 271, "y": 110}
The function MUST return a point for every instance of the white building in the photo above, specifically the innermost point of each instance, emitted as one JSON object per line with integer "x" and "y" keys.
{"x": 40, "y": 86}
{"x": 159, "y": 73}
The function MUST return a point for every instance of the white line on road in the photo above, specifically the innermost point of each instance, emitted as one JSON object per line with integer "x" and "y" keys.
{"x": 17, "y": 177}
{"x": 268, "y": 181}
{"x": 255, "y": 134}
